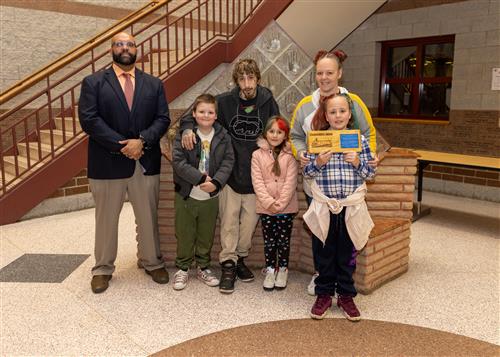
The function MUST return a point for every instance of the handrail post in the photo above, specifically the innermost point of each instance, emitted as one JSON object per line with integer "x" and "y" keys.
{"x": 199, "y": 26}
{"x": 2, "y": 167}
{"x": 49, "y": 103}
{"x": 73, "y": 114}
{"x": 39, "y": 136}
{"x": 27, "y": 139}
{"x": 16, "y": 161}
{"x": 92, "y": 58}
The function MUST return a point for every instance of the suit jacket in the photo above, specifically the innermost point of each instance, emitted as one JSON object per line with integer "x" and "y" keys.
{"x": 105, "y": 117}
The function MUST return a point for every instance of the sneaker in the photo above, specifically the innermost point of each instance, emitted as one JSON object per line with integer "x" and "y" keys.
{"x": 321, "y": 306}
{"x": 180, "y": 279}
{"x": 269, "y": 280}
{"x": 348, "y": 307}
{"x": 281, "y": 278}
{"x": 207, "y": 276}
{"x": 311, "y": 288}
{"x": 244, "y": 274}
{"x": 228, "y": 276}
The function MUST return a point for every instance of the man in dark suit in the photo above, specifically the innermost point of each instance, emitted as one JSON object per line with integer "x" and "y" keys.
{"x": 125, "y": 113}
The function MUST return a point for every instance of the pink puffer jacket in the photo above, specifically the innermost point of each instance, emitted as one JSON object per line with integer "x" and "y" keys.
{"x": 270, "y": 188}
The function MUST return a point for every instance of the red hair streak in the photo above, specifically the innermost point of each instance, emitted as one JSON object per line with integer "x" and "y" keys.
{"x": 282, "y": 125}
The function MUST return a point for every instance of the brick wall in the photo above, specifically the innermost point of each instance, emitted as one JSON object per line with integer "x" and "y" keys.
{"x": 391, "y": 192}
{"x": 385, "y": 255}
{"x": 463, "y": 175}
{"x": 78, "y": 184}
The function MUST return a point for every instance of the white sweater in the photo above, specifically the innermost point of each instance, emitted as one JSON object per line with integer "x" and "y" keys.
{"x": 357, "y": 219}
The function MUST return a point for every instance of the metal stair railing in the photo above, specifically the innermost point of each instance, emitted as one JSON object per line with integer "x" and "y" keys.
{"x": 169, "y": 34}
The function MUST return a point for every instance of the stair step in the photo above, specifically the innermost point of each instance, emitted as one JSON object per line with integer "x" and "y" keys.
{"x": 9, "y": 163}
{"x": 33, "y": 147}
{"x": 8, "y": 178}
{"x": 58, "y": 136}
{"x": 68, "y": 124}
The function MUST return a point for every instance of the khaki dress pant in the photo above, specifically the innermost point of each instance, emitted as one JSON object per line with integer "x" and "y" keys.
{"x": 109, "y": 196}
{"x": 238, "y": 220}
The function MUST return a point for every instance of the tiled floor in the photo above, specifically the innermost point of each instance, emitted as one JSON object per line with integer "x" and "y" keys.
{"x": 452, "y": 285}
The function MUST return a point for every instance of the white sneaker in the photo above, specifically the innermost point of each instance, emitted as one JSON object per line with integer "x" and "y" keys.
{"x": 180, "y": 279}
{"x": 269, "y": 279}
{"x": 207, "y": 276}
{"x": 312, "y": 286}
{"x": 281, "y": 278}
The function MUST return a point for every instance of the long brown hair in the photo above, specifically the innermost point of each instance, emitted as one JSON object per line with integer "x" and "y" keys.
{"x": 319, "y": 121}
{"x": 284, "y": 126}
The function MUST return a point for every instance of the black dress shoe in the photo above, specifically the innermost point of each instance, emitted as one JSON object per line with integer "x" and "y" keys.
{"x": 100, "y": 283}
{"x": 159, "y": 275}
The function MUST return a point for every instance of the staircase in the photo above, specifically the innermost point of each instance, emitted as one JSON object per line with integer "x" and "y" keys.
{"x": 41, "y": 143}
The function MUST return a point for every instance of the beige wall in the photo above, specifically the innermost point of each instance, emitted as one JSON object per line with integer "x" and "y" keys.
{"x": 473, "y": 126}
{"x": 303, "y": 20}
{"x": 126, "y": 4}
{"x": 476, "y": 25}
{"x": 31, "y": 39}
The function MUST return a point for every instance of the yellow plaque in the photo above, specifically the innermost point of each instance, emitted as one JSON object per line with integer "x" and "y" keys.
{"x": 334, "y": 140}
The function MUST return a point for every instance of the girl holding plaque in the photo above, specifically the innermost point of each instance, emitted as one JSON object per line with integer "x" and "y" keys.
{"x": 337, "y": 216}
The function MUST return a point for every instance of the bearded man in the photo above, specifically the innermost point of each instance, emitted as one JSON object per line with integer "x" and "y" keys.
{"x": 125, "y": 113}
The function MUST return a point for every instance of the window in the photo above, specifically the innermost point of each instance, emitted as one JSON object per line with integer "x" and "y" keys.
{"x": 415, "y": 78}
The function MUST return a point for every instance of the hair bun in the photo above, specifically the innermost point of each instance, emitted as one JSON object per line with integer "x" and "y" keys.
{"x": 320, "y": 55}
{"x": 341, "y": 55}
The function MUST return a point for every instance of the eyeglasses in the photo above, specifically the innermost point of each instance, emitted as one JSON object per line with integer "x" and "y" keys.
{"x": 121, "y": 44}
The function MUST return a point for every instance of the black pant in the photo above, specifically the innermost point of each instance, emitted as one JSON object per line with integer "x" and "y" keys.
{"x": 336, "y": 260}
{"x": 277, "y": 231}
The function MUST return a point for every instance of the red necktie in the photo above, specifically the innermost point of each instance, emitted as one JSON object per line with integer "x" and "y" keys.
{"x": 129, "y": 90}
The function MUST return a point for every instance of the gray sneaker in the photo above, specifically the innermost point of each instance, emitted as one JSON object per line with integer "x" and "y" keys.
{"x": 207, "y": 276}
{"x": 180, "y": 279}
{"x": 312, "y": 285}
{"x": 281, "y": 278}
{"x": 269, "y": 280}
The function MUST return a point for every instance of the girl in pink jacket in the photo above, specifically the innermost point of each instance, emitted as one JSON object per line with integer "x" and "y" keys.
{"x": 274, "y": 178}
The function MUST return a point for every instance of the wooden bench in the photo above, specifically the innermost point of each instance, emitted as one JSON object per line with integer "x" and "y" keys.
{"x": 426, "y": 157}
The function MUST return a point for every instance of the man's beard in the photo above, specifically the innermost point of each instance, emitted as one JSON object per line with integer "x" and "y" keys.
{"x": 120, "y": 59}
{"x": 248, "y": 94}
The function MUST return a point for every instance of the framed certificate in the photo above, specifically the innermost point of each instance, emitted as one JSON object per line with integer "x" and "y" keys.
{"x": 334, "y": 140}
